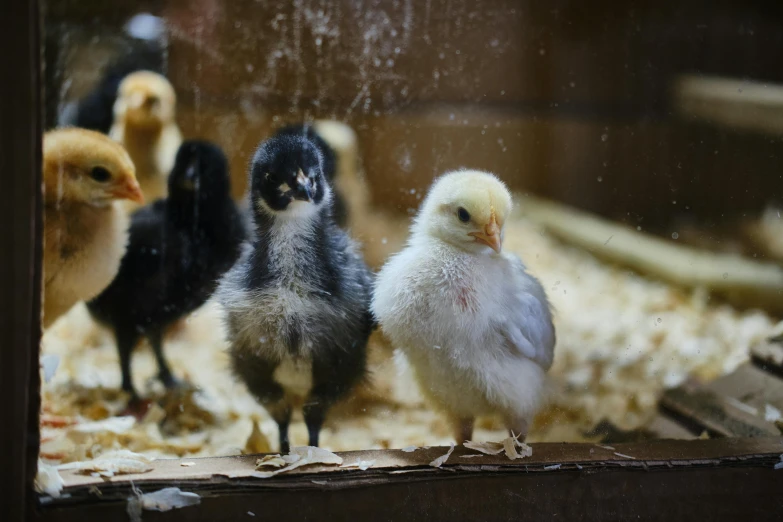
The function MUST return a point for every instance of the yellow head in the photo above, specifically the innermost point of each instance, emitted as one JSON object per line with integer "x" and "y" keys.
{"x": 467, "y": 209}
{"x": 145, "y": 99}
{"x": 82, "y": 166}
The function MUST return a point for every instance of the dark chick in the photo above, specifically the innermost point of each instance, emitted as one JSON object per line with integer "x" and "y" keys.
{"x": 297, "y": 301}
{"x": 178, "y": 249}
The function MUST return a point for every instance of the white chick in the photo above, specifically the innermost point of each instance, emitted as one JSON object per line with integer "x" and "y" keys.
{"x": 474, "y": 325}
{"x": 144, "y": 123}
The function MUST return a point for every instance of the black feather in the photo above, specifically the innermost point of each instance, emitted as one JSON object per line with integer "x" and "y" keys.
{"x": 178, "y": 249}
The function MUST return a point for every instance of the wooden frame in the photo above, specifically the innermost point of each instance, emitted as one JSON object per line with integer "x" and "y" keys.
{"x": 718, "y": 479}
{"x": 20, "y": 262}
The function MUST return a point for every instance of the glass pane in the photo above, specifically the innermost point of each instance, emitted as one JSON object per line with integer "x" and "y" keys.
{"x": 640, "y": 146}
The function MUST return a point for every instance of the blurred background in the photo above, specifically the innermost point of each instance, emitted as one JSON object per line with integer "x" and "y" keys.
{"x": 575, "y": 101}
{"x": 639, "y": 121}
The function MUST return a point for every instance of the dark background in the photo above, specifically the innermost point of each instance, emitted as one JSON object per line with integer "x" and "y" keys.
{"x": 567, "y": 99}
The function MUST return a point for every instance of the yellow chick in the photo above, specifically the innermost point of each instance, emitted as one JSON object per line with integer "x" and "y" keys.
{"x": 474, "y": 325}
{"x": 85, "y": 174}
{"x": 144, "y": 123}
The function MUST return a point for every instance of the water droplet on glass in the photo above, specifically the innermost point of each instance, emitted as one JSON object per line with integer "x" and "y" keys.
{"x": 384, "y": 240}
{"x": 599, "y": 179}
{"x": 542, "y": 51}
{"x": 660, "y": 320}
{"x": 675, "y": 235}
{"x": 604, "y": 137}
{"x": 725, "y": 275}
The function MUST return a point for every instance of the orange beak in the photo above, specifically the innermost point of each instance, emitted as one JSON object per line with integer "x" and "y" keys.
{"x": 491, "y": 235}
{"x": 129, "y": 189}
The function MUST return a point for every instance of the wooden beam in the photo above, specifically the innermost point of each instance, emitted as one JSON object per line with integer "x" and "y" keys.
{"x": 721, "y": 479}
{"x": 20, "y": 261}
{"x": 729, "y": 102}
{"x": 742, "y": 281}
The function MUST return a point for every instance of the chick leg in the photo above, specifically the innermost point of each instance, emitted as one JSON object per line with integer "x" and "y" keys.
{"x": 463, "y": 429}
{"x": 257, "y": 374}
{"x": 518, "y": 427}
{"x": 333, "y": 377}
{"x": 164, "y": 372}
{"x": 126, "y": 341}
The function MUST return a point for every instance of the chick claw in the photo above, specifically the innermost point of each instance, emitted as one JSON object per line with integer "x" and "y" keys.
{"x": 137, "y": 407}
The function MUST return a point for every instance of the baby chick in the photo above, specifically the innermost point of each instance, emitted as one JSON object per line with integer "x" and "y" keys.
{"x": 179, "y": 247}
{"x": 475, "y": 326}
{"x": 85, "y": 231}
{"x": 95, "y": 111}
{"x": 297, "y": 302}
{"x": 144, "y": 123}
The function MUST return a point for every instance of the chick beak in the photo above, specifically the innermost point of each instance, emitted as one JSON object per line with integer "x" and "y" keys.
{"x": 129, "y": 189}
{"x": 490, "y": 236}
{"x": 304, "y": 185}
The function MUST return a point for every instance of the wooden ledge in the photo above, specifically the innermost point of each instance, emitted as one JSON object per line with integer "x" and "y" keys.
{"x": 701, "y": 467}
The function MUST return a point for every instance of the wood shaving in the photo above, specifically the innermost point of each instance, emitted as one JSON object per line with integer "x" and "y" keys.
{"x": 488, "y": 448}
{"x": 49, "y": 364}
{"x": 553, "y": 466}
{"x": 510, "y": 445}
{"x": 409, "y": 449}
{"x": 610, "y": 448}
{"x": 301, "y": 456}
{"x": 275, "y": 461}
{"x": 112, "y": 463}
{"x": 471, "y": 456}
{"x": 48, "y": 480}
{"x": 443, "y": 458}
{"x": 624, "y": 456}
{"x": 112, "y": 425}
{"x": 187, "y": 464}
{"x": 771, "y": 413}
{"x": 169, "y": 498}
{"x": 361, "y": 464}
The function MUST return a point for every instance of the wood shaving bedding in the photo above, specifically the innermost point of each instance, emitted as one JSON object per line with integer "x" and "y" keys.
{"x": 622, "y": 339}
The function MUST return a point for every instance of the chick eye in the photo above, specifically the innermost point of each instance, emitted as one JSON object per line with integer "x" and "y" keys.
{"x": 100, "y": 174}
{"x": 463, "y": 215}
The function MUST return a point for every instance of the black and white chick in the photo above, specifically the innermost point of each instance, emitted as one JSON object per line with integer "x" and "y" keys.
{"x": 178, "y": 249}
{"x": 297, "y": 302}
